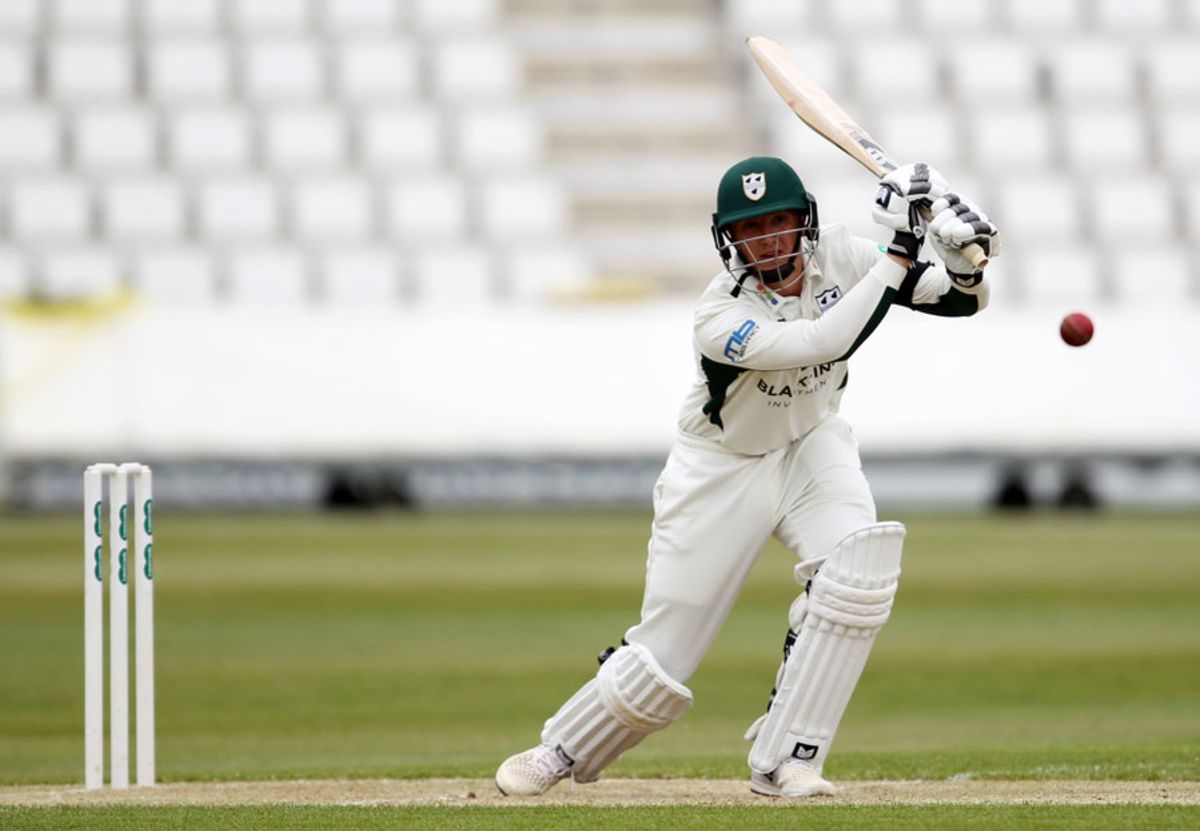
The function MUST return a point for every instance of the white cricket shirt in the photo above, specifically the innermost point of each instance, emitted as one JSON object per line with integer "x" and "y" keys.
{"x": 770, "y": 368}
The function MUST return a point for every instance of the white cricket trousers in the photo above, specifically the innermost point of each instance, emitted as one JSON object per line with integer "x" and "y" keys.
{"x": 713, "y": 512}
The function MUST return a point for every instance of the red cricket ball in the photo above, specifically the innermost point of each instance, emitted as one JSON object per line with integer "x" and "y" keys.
{"x": 1076, "y": 329}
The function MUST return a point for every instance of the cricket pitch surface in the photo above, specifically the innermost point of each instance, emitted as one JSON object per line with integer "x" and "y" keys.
{"x": 609, "y": 792}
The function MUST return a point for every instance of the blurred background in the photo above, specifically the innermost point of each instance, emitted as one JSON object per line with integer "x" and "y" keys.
{"x": 434, "y": 253}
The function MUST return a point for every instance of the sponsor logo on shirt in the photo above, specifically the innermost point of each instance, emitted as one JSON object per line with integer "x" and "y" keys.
{"x": 767, "y": 293}
{"x": 827, "y": 299}
{"x": 735, "y": 347}
{"x": 781, "y": 396}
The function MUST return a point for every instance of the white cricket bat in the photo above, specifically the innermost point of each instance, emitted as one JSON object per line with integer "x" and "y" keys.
{"x": 816, "y": 109}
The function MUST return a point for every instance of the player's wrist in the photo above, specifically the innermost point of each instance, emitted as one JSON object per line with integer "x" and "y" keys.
{"x": 965, "y": 281}
{"x": 905, "y": 245}
{"x": 890, "y": 271}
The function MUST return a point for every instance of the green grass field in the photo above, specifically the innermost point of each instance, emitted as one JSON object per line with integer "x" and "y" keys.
{"x": 395, "y": 645}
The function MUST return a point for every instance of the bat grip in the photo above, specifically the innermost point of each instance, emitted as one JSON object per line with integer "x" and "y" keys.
{"x": 971, "y": 251}
{"x": 975, "y": 254}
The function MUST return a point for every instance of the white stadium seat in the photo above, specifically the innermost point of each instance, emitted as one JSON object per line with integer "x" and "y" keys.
{"x": 1107, "y": 139}
{"x": 965, "y": 182}
{"x": 1037, "y": 208}
{"x": 361, "y": 275}
{"x": 331, "y": 208}
{"x": 21, "y": 17}
{"x": 1157, "y": 275}
{"x": 1173, "y": 71}
{"x": 462, "y": 15}
{"x": 171, "y": 275}
{"x": 845, "y": 199}
{"x": 406, "y": 137}
{"x": 354, "y": 16}
{"x": 1036, "y": 17}
{"x": 894, "y": 69}
{"x": 161, "y": 17}
{"x": 768, "y": 15}
{"x": 1013, "y": 137}
{"x": 14, "y": 274}
{"x": 30, "y": 139}
{"x": 107, "y": 16}
{"x": 1003, "y": 273}
{"x": 282, "y": 69}
{"x": 16, "y": 71}
{"x": 1065, "y": 276}
{"x": 1122, "y": 17}
{"x": 1094, "y": 71}
{"x": 371, "y": 69}
{"x": 49, "y": 209}
{"x": 304, "y": 138}
{"x": 252, "y": 17}
{"x": 928, "y": 134}
{"x": 948, "y": 19}
{"x": 854, "y": 16}
{"x": 1132, "y": 207}
{"x": 143, "y": 209}
{"x": 1191, "y": 199}
{"x": 987, "y": 71}
{"x": 1188, "y": 196}
{"x": 427, "y": 208}
{"x": 87, "y": 273}
{"x": 454, "y": 276}
{"x": 115, "y": 139}
{"x": 206, "y": 139}
{"x": 236, "y": 209}
{"x": 267, "y": 275}
{"x": 479, "y": 68}
{"x": 491, "y": 137}
{"x": 188, "y": 69}
{"x": 89, "y": 69}
{"x": 520, "y": 207}
{"x": 1179, "y": 139}
{"x": 538, "y": 273}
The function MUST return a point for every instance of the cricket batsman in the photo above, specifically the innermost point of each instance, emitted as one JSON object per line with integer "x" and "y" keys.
{"x": 762, "y": 451}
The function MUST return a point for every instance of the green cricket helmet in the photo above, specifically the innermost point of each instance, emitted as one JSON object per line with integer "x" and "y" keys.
{"x": 757, "y": 186}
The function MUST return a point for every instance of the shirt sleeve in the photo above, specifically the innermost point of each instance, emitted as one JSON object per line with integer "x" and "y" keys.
{"x": 730, "y": 335}
{"x": 929, "y": 289}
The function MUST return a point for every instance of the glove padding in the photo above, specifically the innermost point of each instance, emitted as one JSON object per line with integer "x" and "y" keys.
{"x": 902, "y": 193}
{"x": 956, "y": 223}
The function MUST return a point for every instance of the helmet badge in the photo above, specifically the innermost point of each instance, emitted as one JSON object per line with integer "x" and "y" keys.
{"x": 754, "y": 185}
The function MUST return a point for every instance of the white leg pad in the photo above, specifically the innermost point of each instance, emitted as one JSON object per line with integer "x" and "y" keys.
{"x": 630, "y": 698}
{"x": 849, "y": 601}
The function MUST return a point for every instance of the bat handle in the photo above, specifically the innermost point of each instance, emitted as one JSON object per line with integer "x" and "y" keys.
{"x": 971, "y": 251}
{"x": 975, "y": 254}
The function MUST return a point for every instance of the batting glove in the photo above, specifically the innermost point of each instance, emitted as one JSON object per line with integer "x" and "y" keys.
{"x": 898, "y": 204}
{"x": 958, "y": 222}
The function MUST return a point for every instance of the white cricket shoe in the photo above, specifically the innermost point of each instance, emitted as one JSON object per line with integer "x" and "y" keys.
{"x": 793, "y": 778}
{"x": 533, "y": 772}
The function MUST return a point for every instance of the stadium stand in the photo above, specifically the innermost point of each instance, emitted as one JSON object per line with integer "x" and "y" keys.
{"x": 359, "y": 131}
{"x": 336, "y": 228}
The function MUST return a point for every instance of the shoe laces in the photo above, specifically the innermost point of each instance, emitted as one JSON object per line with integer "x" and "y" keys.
{"x": 803, "y": 764}
{"x": 550, "y": 762}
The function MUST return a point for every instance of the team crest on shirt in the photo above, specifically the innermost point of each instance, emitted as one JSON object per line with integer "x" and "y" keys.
{"x": 754, "y": 185}
{"x": 827, "y": 299}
